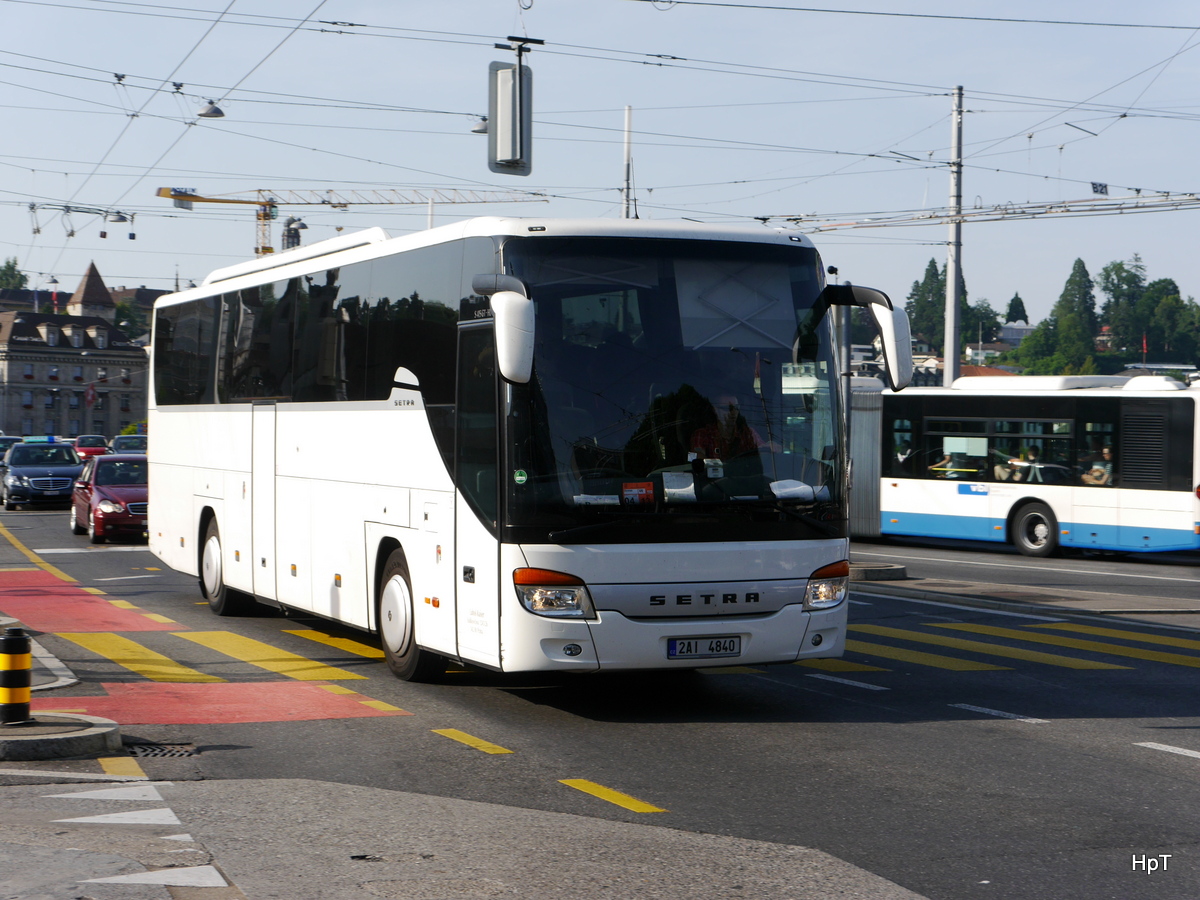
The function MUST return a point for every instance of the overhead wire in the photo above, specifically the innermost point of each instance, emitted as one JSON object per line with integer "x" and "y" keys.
{"x": 904, "y": 15}
{"x": 753, "y": 71}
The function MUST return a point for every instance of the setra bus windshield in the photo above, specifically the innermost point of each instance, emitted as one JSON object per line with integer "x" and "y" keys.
{"x": 681, "y": 390}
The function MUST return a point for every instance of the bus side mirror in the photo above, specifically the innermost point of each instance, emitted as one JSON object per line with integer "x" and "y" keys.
{"x": 890, "y": 320}
{"x": 513, "y": 315}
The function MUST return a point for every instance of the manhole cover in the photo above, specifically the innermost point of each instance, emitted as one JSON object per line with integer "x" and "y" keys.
{"x": 162, "y": 750}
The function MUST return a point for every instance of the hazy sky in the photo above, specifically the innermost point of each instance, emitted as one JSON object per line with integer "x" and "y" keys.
{"x": 739, "y": 111}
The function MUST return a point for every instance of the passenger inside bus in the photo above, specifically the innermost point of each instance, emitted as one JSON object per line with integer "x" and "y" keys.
{"x": 1028, "y": 469}
{"x": 1101, "y": 472}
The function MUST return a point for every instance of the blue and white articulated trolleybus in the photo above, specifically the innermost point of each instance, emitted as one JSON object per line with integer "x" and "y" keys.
{"x": 525, "y": 445}
{"x": 1104, "y": 463}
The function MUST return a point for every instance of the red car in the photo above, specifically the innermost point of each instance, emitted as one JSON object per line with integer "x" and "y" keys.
{"x": 91, "y": 445}
{"x": 109, "y": 499}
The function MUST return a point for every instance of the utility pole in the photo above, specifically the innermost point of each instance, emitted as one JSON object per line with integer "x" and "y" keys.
{"x": 950, "y": 364}
{"x": 627, "y": 191}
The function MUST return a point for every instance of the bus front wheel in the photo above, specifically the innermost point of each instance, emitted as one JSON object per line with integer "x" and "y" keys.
{"x": 397, "y": 631}
{"x": 222, "y": 600}
{"x": 1035, "y": 530}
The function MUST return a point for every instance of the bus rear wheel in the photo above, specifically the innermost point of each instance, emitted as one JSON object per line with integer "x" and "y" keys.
{"x": 397, "y": 631}
{"x": 1035, "y": 530}
{"x": 222, "y": 599}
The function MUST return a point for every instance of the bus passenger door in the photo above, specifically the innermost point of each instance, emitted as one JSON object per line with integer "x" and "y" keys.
{"x": 476, "y": 452}
{"x": 262, "y": 487}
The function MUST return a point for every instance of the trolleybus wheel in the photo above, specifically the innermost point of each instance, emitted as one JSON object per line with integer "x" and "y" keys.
{"x": 222, "y": 600}
{"x": 1035, "y": 530}
{"x": 396, "y": 627}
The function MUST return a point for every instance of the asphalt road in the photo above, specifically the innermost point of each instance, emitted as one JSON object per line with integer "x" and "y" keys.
{"x": 1174, "y": 575}
{"x": 958, "y": 752}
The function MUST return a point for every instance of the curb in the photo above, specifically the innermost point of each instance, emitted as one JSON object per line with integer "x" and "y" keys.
{"x": 58, "y": 736}
{"x": 877, "y": 572}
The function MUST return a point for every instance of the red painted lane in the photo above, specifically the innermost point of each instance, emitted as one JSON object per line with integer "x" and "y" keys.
{"x": 45, "y": 603}
{"x": 213, "y": 704}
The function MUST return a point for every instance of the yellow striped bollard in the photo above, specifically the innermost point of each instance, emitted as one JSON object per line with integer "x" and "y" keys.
{"x": 16, "y": 677}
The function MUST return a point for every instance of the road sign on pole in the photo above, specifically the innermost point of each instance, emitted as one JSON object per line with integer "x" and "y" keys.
{"x": 510, "y": 111}
{"x": 510, "y": 119}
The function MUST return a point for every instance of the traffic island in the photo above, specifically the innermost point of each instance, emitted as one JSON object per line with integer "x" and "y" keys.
{"x": 59, "y": 736}
{"x": 877, "y": 572}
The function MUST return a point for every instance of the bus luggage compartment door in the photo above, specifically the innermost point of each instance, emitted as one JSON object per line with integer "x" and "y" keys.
{"x": 263, "y": 494}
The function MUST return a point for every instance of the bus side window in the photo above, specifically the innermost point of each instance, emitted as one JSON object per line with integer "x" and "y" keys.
{"x": 904, "y": 452}
{"x": 938, "y": 461}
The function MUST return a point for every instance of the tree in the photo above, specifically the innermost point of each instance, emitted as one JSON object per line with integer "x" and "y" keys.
{"x": 1016, "y": 311}
{"x": 979, "y": 323}
{"x": 11, "y": 276}
{"x": 1078, "y": 299}
{"x": 131, "y": 319}
{"x": 1064, "y": 341}
{"x": 926, "y": 307}
{"x": 1124, "y": 285}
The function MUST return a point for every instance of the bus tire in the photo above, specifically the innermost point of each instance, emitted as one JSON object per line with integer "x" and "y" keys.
{"x": 222, "y": 600}
{"x": 1035, "y": 530}
{"x": 397, "y": 632}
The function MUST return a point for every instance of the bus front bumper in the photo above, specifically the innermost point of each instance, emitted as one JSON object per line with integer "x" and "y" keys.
{"x": 614, "y": 642}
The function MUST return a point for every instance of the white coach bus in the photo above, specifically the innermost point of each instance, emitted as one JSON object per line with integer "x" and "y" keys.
{"x": 521, "y": 444}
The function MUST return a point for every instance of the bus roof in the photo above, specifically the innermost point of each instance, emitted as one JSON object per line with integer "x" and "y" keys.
{"x": 485, "y": 226}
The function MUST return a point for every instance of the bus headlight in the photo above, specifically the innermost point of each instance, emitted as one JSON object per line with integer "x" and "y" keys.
{"x": 555, "y": 594}
{"x": 827, "y": 586}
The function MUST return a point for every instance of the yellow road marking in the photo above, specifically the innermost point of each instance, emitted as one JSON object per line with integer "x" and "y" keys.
{"x": 88, "y": 590}
{"x": 121, "y": 765}
{"x": 942, "y": 640}
{"x": 381, "y": 705}
{"x": 470, "y": 740}
{"x": 267, "y": 657}
{"x": 1144, "y": 638}
{"x": 122, "y": 604}
{"x": 155, "y": 617}
{"x": 838, "y": 665}
{"x": 136, "y": 658}
{"x": 337, "y": 689}
{"x": 921, "y": 658}
{"x": 347, "y": 644}
{"x": 1175, "y": 659}
{"x": 597, "y": 790}
{"x": 33, "y": 557}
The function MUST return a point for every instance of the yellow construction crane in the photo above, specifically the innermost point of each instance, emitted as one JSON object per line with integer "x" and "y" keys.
{"x": 268, "y": 202}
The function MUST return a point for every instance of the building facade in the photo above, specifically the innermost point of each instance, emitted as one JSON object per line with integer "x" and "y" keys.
{"x": 70, "y": 373}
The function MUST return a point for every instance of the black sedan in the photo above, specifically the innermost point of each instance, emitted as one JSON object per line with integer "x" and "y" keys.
{"x": 39, "y": 473}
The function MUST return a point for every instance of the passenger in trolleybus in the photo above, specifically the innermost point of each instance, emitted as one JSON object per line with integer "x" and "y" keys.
{"x": 1028, "y": 468}
{"x": 1101, "y": 472}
